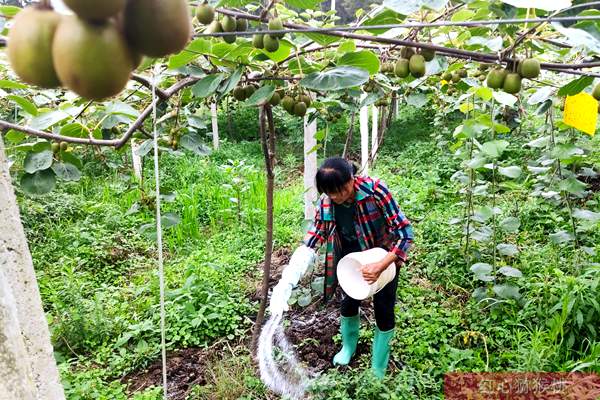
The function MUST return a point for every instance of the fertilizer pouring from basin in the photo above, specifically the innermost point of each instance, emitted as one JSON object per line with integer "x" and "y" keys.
{"x": 351, "y": 279}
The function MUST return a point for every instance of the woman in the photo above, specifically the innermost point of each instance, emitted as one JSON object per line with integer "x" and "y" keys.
{"x": 357, "y": 213}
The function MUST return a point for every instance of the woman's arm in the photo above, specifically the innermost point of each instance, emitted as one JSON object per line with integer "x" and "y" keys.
{"x": 318, "y": 231}
{"x": 398, "y": 225}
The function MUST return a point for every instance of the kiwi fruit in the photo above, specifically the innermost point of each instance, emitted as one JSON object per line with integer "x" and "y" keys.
{"x": 250, "y": 89}
{"x": 596, "y": 92}
{"x": 30, "y": 46}
{"x": 428, "y": 54}
{"x": 64, "y": 146}
{"x": 512, "y": 83}
{"x": 275, "y": 99}
{"x": 257, "y": 41}
{"x": 95, "y": 10}
{"x": 401, "y": 68}
{"x": 229, "y": 38}
{"x": 462, "y": 73}
{"x": 288, "y": 103}
{"x": 275, "y": 24}
{"x": 447, "y": 76}
{"x": 416, "y": 65}
{"x": 55, "y": 147}
{"x": 239, "y": 93}
{"x": 157, "y": 28}
{"x": 93, "y": 60}
{"x": 271, "y": 43}
{"x": 205, "y": 14}
{"x": 407, "y": 52}
{"x": 214, "y": 27}
{"x": 530, "y": 68}
{"x": 229, "y": 24}
{"x": 305, "y": 99}
{"x": 300, "y": 109}
{"x": 455, "y": 77}
{"x": 495, "y": 78}
{"x": 241, "y": 25}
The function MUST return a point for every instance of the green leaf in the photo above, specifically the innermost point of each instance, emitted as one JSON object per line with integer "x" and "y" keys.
{"x": 7, "y": 84}
{"x": 193, "y": 142}
{"x": 283, "y": 52}
{"x": 586, "y": 215}
{"x": 14, "y": 136}
{"x": 507, "y": 291}
{"x": 511, "y": 172}
{"x": 407, "y": 7}
{"x": 507, "y": 249}
{"x": 66, "y": 171}
{"x": 37, "y": 161}
{"x": 9, "y": 11}
{"x": 540, "y": 95}
{"x": 74, "y": 130}
{"x": 46, "y": 120}
{"x": 335, "y": 79}
{"x": 575, "y": 86}
{"x": 572, "y": 185}
{"x": 304, "y": 4}
{"x": 322, "y": 39}
{"x": 484, "y": 93}
{"x": 346, "y": 46}
{"x": 38, "y": 183}
{"x": 206, "y": 86}
{"x": 144, "y": 148}
{"x": 481, "y": 269}
{"x": 385, "y": 17}
{"x": 261, "y": 96}
{"x": 494, "y": 148}
{"x": 25, "y": 104}
{"x": 504, "y": 98}
{"x": 231, "y": 82}
{"x": 510, "y": 224}
{"x": 560, "y": 237}
{"x": 194, "y": 49}
{"x": 364, "y": 59}
{"x": 510, "y": 271}
{"x": 170, "y": 220}
{"x": 417, "y": 100}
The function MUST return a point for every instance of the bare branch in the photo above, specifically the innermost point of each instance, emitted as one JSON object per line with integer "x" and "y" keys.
{"x": 146, "y": 82}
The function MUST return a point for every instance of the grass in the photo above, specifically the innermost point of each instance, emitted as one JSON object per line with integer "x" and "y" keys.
{"x": 97, "y": 271}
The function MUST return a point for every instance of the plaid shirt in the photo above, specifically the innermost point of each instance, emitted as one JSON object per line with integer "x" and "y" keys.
{"x": 378, "y": 221}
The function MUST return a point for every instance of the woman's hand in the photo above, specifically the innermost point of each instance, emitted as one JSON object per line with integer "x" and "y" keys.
{"x": 371, "y": 272}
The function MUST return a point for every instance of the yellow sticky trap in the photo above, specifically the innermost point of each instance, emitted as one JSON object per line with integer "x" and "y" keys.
{"x": 581, "y": 112}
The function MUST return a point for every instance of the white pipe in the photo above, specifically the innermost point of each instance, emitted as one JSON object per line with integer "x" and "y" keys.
{"x": 310, "y": 168}
{"x": 215, "y": 125}
{"x": 364, "y": 138}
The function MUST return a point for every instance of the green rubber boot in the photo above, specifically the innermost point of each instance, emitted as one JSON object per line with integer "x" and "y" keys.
{"x": 381, "y": 352}
{"x": 349, "y": 327}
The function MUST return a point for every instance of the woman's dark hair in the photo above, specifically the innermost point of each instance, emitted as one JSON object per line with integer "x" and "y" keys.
{"x": 333, "y": 174}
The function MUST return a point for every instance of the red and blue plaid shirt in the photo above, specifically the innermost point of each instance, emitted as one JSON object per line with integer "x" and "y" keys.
{"x": 378, "y": 221}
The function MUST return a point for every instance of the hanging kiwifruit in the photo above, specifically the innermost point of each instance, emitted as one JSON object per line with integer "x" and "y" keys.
{"x": 275, "y": 24}
{"x": 447, "y": 76}
{"x": 55, "y": 147}
{"x": 271, "y": 43}
{"x": 250, "y": 89}
{"x": 300, "y": 109}
{"x": 530, "y": 68}
{"x": 157, "y": 28}
{"x": 275, "y": 99}
{"x": 91, "y": 59}
{"x": 229, "y": 24}
{"x": 257, "y": 41}
{"x": 241, "y": 25}
{"x": 596, "y": 92}
{"x": 30, "y": 46}
{"x": 305, "y": 99}
{"x": 495, "y": 78}
{"x": 416, "y": 65}
{"x": 229, "y": 38}
{"x": 455, "y": 77}
{"x": 205, "y": 14}
{"x": 462, "y": 73}
{"x": 428, "y": 54}
{"x": 288, "y": 103}
{"x": 407, "y": 52}
{"x": 95, "y": 10}
{"x": 214, "y": 27}
{"x": 512, "y": 83}
{"x": 64, "y": 146}
{"x": 401, "y": 68}
{"x": 239, "y": 93}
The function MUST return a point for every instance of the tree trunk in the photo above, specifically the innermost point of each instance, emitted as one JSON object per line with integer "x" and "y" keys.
{"x": 19, "y": 278}
{"x": 268, "y": 146}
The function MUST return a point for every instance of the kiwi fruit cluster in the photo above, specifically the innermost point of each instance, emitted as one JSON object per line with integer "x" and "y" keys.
{"x": 330, "y": 115}
{"x": 243, "y": 92}
{"x": 94, "y": 51}
{"x": 267, "y": 41}
{"x": 205, "y": 14}
{"x": 509, "y": 79}
{"x": 296, "y": 105}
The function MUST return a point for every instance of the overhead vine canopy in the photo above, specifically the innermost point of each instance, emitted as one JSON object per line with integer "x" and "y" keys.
{"x": 294, "y": 53}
